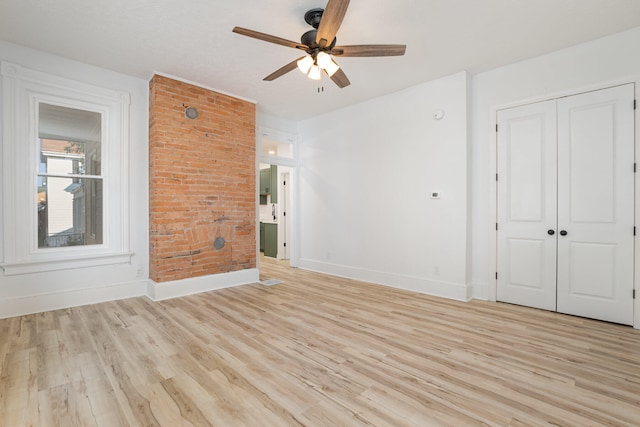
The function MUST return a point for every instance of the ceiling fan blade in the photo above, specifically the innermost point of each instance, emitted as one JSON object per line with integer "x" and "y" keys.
{"x": 330, "y": 23}
{"x": 340, "y": 78}
{"x": 283, "y": 70}
{"x": 370, "y": 50}
{"x": 269, "y": 38}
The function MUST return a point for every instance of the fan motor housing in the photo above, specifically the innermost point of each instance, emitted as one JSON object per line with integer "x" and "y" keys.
{"x": 313, "y": 17}
{"x": 309, "y": 38}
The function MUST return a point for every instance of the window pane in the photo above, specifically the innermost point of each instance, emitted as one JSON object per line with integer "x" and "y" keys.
{"x": 272, "y": 147}
{"x": 69, "y": 140}
{"x": 69, "y": 211}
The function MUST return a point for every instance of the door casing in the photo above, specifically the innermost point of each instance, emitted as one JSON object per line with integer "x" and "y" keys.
{"x": 534, "y": 246}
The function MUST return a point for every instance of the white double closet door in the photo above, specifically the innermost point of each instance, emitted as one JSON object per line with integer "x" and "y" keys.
{"x": 565, "y": 196}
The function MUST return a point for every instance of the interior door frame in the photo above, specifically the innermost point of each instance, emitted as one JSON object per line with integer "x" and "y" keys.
{"x": 284, "y": 182}
{"x": 493, "y": 196}
{"x": 292, "y": 164}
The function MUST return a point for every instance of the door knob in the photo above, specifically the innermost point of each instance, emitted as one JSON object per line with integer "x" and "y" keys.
{"x": 551, "y": 232}
{"x": 563, "y": 232}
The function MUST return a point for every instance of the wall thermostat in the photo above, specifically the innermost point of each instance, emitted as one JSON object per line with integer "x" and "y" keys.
{"x": 435, "y": 194}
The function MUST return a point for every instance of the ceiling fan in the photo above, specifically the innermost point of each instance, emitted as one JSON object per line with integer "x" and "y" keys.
{"x": 320, "y": 45}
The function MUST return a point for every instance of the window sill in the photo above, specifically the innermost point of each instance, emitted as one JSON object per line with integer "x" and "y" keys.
{"x": 39, "y": 266}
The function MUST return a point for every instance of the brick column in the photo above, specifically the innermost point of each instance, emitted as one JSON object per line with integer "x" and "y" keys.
{"x": 202, "y": 182}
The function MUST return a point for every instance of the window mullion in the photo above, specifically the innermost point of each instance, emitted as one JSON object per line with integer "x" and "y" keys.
{"x": 69, "y": 175}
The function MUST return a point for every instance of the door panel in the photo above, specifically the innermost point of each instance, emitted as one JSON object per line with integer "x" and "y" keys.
{"x": 527, "y": 205}
{"x": 525, "y": 162}
{"x": 596, "y": 204}
{"x": 525, "y": 255}
{"x": 592, "y": 268}
{"x": 590, "y": 157}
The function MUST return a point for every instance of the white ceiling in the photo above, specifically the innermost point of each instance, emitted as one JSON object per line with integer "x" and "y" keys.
{"x": 192, "y": 39}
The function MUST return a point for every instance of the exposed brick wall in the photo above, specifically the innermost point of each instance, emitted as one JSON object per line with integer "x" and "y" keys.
{"x": 202, "y": 182}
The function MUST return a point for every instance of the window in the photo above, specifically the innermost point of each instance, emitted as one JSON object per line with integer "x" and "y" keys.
{"x": 65, "y": 173}
{"x": 276, "y": 144}
{"x": 69, "y": 177}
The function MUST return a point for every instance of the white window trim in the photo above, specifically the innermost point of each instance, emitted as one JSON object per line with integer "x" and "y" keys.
{"x": 22, "y": 91}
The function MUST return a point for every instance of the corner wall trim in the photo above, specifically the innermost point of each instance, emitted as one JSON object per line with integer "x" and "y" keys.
{"x": 159, "y": 291}
{"x": 439, "y": 288}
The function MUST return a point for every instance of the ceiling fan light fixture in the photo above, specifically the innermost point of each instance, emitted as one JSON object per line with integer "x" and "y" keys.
{"x": 305, "y": 64}
{"x": 326, "y": 62}
{"x": 315, "y": 73}
{"x": 323, "y": 59}
{"x": 320, "y": 43}
{"x": 331, "y": 68}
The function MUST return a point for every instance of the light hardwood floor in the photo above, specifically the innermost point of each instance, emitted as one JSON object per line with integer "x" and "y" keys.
{"x": 315, "y": 351}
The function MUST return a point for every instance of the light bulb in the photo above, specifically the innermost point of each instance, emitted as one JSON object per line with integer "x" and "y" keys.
{"x": 323, "y": 60}
{"x": 315, "y": 72}
{"x": 305, "y": 63}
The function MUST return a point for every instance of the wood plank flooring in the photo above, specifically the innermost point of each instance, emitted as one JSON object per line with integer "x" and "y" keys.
{"x": 315, "y": 351}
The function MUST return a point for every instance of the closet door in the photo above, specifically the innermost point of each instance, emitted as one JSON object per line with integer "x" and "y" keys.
{"x": 596, "y": 204}
{"x": 527, "y": 210}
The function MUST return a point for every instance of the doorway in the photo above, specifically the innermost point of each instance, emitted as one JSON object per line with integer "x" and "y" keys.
{"x": 274, "y": 211}
{"x": 565, "y": 204}
{"x": 276, "y": 196}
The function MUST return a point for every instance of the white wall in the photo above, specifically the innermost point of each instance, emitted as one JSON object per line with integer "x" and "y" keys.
{"x": 28, "y": 293}
{"x": 366, "y": 174}
{"x": 592, "y": 65}
{"x": 266, "y": 120}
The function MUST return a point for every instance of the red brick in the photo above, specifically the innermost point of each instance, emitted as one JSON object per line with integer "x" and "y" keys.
{"x": 202, "y": 182}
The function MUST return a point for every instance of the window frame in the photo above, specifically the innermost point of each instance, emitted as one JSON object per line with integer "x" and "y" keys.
{"x": 22, "y": 92}
{"x": 89, "y": 156}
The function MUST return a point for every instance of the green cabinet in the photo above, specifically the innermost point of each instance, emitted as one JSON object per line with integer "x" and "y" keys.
{"x": 265, "y": 181}
{"x": 269, "y": 184}
{"x": 271, "y": 240}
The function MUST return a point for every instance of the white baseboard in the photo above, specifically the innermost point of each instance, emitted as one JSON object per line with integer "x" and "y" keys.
{"x": 158, "y": 291}
{"x": 29, "y": 304}
{"x": 480, "y": 291}
{"x": 440, "y": 288}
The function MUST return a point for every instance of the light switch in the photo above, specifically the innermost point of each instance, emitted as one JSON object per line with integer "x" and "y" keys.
{"x": 435, "y": 194}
